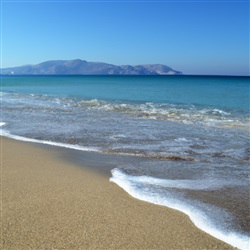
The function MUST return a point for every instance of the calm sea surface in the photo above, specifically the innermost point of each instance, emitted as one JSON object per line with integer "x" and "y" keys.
{"x": 189, "y": 133}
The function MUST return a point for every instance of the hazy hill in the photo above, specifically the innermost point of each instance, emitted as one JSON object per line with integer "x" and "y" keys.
{"x": 82, "y": 67}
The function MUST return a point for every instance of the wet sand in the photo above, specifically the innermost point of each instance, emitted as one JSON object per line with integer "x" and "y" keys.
{"x": 51, "y": 203}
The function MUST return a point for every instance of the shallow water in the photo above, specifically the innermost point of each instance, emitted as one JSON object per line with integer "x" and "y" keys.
{"x": 191, "y": 135}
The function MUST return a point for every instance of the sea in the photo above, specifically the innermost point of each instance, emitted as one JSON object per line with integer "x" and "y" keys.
{"x": 187, "y": 137}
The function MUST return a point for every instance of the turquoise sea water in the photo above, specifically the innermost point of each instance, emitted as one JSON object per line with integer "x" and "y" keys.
{"x": 222, "y": 92}
{"x": 189, "y": 133}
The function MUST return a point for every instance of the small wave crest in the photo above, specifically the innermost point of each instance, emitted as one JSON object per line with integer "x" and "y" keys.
{"x": 135, "y": 186}
{"x": 169, "y": 112}
{"x": 185, "y": 113}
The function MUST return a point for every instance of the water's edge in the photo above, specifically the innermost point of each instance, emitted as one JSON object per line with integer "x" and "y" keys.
{"x": 118, "y": 177}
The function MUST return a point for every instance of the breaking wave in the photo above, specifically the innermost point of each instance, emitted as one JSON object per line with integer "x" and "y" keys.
{"x": 188, "y": 114}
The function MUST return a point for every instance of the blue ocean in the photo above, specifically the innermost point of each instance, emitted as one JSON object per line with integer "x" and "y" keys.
{"x": 187, "y": 137}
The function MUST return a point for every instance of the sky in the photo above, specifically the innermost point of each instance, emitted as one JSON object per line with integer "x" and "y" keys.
{"x": 203, "y": 37}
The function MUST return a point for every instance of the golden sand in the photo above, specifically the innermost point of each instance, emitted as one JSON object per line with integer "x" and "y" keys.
{"x": 48, "y": 203}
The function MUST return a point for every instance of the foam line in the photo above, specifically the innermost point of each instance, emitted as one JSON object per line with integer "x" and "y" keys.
{"x": 57, "y": 144}
{"x": 209, "y": 184}
{"x": 197, "y": 217}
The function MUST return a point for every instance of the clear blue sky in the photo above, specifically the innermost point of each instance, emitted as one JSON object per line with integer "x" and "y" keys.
{"x": 195, "y": 37}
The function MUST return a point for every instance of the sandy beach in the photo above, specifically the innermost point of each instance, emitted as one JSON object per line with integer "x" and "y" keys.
{"x": 50, "y": 203}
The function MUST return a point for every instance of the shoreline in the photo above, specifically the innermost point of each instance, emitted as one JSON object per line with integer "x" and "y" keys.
{"x": 50, "y": 202}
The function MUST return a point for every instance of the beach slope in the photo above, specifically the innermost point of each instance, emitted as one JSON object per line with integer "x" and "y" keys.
{"x": 49, "y": 203}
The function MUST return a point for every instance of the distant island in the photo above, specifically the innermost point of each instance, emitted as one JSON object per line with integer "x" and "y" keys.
{"x": 82, "y": 67}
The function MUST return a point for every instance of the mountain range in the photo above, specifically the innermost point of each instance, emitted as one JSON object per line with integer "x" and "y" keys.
{"x": 82, "y": 67}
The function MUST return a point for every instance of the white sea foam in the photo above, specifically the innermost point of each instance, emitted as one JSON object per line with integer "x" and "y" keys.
{"x": 2, "y": 124}
{"x": 188, "y": 114}
{"x": 182, "y": 140}
{"x": 132, "y": 186}
{"x": 57, "y": 144}
{"x": 208, "y": 184}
